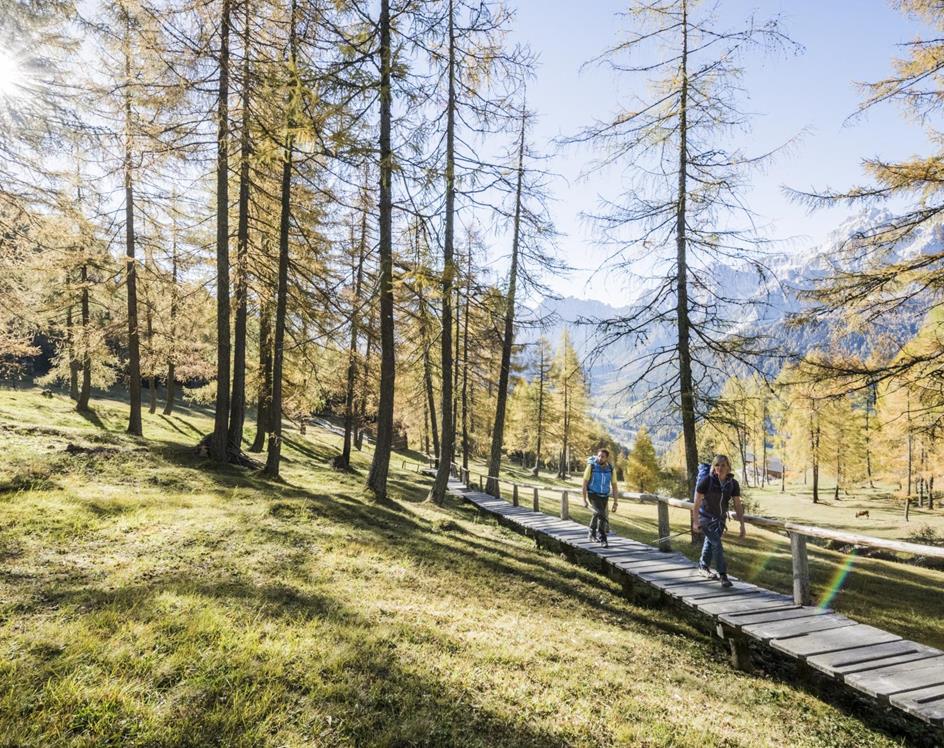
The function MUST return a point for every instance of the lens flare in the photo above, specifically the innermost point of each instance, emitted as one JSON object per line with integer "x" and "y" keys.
{"x": 11, "y": 75}
{"x": 758, "y": 566}
{"x": 838, "y": 581}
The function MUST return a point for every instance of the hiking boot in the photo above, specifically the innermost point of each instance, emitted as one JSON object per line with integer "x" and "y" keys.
{"x": 604, "y": 542}
{"x": 725, "y": 582}
{"x": 591, "y": 537}
{"x": 706, "y": 572}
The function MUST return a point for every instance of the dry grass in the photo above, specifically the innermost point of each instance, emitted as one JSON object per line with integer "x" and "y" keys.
{"x": 149, "y": 600}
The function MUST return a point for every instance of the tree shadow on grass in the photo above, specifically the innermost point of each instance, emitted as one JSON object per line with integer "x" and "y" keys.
{"x": 391, "y": 524}
{"x": 93, "y": 418}
{"x": 356, "y": 673}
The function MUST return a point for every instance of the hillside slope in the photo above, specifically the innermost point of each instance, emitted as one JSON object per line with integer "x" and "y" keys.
{"x": 768, "y": 303}
{"x": 148, "y": 600}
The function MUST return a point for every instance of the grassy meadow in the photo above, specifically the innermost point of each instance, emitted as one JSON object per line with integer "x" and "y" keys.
{"x": 147, "y": 599}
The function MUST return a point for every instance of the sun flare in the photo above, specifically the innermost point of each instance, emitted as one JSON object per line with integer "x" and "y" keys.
{"x": 11, "y": 75}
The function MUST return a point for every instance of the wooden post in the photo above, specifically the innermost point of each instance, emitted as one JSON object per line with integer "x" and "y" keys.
{"x": 497, "y": 489}
{"x": 565, "y": 505}
{"x": 801, "y": 570}
{"x": 481, "y": 484}
{"x": 536, "y": 501}
{"x": 514, "y": 494}
{"x": 665, "y": 543}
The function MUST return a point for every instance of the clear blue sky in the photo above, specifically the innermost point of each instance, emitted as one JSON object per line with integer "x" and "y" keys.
{"x": 845, "y": 41}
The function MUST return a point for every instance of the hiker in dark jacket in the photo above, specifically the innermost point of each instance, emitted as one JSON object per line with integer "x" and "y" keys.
{"x": 709, "y": 515}
{"x": 598, "y": 484}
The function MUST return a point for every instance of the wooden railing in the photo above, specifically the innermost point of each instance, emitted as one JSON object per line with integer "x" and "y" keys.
{"x": 797, "y": 532}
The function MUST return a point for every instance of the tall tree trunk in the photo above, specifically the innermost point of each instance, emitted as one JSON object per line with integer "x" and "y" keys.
{"x": 237, "y": 405}
{"x": 838, "y": 472}
{"x": 264, "y": 401}
{"x": 274, "y": 455}
{"x": 131, "y": 273}
{"x": 171, "y": 359}
{"x": 498, "y": 434}
{"x": 742, "y": 450}
{"x": 437, "y": 492}
{"x": 377, "y": 480}
{"x": 345, "y": 460}
{"x": 218, "y": 445}
{"x": 763, "y": 430}
{"x": 565, "y": 446}
{"x": 362, "y": 408}
{"x": 428, "y": 376}
{"x": 686, "y": 385}
{"x": 910, "y": 443}
{"x": 152, "y": 380}
{"x": 455, "y": 375}
{"x": 537, "y": 448}
{"x": 82, "y": 405}
{"x": 465, "y": 364}
{"x": 70, "y": 352}
{"x": 815, "y": 460}
{"x": 870, "y": 392}
{"x": 425, "y": 427}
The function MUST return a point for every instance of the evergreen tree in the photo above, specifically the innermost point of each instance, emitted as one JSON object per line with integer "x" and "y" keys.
{"x": 643, "y": 465}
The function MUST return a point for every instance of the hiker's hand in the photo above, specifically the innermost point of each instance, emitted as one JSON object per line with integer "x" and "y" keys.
{"x": 615, "y": 507}
{"x": 585, "y": 502}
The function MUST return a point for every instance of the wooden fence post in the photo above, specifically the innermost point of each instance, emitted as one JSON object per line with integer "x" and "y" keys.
{"x": 514, "y": 494}
{"x": 801, "y": 570}
{"x": 565, "y": 505}
{"x": 665, "y": 543}
{"x": 497, "y": 489}
{"x": 536, "y": 501}
{"x": 481, "y": 486}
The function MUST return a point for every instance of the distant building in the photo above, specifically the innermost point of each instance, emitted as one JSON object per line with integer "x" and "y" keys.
{"x": 774, "y": 468}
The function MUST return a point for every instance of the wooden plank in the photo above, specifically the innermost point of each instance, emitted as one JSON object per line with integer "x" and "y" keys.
{"x": 705, "y": 589}
{"x": 759, "y": 601}
{"x": 846, "y": 639}
{"x": 909, "y": 676}
{"x": 872, "y": 657}
{"x": 925, "y": 703}
{"x": 782, "y": 629}
{"x": 678, "y": 574}
{"x": 786, "y": 613}
{"x": 649, "y": 563}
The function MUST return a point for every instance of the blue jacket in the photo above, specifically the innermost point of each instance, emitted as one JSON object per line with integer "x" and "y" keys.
{"x": 599, "y": 478}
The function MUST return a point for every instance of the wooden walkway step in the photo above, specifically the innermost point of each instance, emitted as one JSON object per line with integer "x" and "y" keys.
{"x": 900, "y": 674}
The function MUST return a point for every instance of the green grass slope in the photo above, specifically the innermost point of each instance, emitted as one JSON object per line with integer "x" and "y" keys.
{"x": 147, "y": 600}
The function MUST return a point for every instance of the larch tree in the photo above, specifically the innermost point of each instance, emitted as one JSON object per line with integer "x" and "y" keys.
{"x": 643, "y": 464}
{"x": 683, "y": 205}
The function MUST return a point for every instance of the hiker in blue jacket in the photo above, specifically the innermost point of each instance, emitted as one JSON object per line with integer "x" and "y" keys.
{"x": 598, "y": 484}
{"x": 709, "y": 515}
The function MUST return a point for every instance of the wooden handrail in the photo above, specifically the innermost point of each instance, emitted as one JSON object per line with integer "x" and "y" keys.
{"x": 812, "y": 531}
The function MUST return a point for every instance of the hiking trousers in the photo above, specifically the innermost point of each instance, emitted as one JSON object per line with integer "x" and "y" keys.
{"x": 600, "y": 522}
{"x": 712, "y": 548}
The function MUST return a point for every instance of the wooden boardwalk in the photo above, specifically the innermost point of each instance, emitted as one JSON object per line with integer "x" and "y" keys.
{"x": 875, "y": 664}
